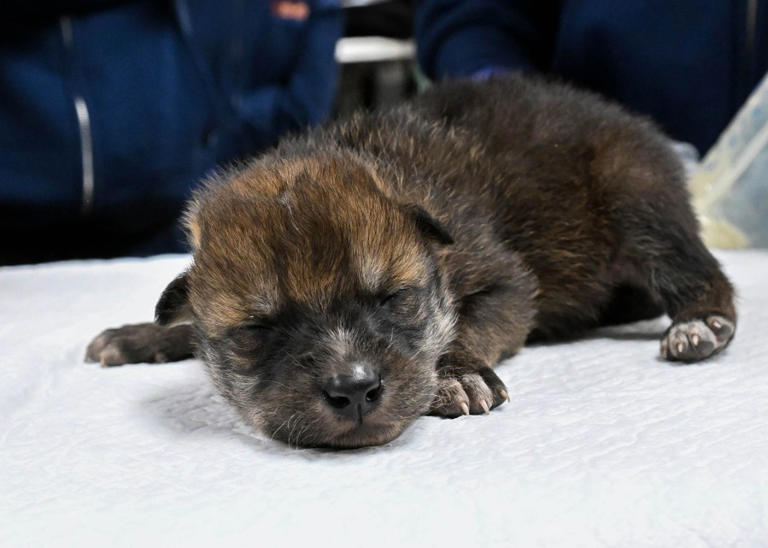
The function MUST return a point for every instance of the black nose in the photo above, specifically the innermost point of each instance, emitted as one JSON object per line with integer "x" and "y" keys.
{"x": 354, "y": 395}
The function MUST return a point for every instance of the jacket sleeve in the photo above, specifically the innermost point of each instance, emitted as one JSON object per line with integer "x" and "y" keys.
{"x": 464, "y": 37}
{"x": 308, "y": 96}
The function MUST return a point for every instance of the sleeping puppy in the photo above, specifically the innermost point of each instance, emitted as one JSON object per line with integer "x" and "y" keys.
{"x": 374, "y": 270}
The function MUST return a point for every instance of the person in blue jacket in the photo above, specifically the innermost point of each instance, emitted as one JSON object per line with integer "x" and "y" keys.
{"x": 112, "y": 111}
{"x": 689, "y": 64}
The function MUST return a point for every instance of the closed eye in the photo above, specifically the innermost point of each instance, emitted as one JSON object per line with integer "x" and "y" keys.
{"x": 388, "y": 298}
{"x": 391, "y": 296}
{"x": 250, "y": 336}
{"x": 402, "y": 299}
{"x": 255, "y": 323}
{"x": 251, "y": 331}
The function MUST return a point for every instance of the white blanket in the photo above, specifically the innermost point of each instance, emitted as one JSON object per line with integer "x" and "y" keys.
{"x": 603, "y": 444}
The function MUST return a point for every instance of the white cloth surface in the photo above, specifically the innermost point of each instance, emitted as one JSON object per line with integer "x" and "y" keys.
{"x": 602, "y": 444}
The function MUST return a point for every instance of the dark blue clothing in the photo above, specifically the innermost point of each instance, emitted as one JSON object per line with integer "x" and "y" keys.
{"x": 111, "y": 112}
{"x": 689, "y": 64}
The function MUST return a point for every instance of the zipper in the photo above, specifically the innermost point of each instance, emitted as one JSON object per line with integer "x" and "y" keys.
{"x": 84, "y": 126}
{"x": 238, "y": 50}
{"x": 751, "y": 26}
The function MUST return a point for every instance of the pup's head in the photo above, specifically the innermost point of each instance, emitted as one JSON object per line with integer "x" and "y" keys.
{"x": 319, "y": 301}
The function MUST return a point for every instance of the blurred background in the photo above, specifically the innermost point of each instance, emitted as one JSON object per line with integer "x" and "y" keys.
{"x": 113, "y": 111}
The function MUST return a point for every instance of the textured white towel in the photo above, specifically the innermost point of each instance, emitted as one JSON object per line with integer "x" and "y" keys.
{"x": 603, "y": 444}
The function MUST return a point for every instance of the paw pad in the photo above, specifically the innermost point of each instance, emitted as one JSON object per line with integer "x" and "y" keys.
{"x": 696, "y": 339}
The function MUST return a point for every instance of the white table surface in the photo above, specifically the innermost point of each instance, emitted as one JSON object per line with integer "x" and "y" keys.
{"x": 603, "y": 444}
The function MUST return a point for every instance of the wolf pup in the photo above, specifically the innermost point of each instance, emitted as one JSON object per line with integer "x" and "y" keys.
{"x": 374, "y": 270}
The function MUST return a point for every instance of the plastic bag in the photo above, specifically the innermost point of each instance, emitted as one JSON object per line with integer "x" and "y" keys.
{"x": 730, "y": 186}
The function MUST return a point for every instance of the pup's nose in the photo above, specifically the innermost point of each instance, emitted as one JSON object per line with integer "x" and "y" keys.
{"x": 354, "y": 395}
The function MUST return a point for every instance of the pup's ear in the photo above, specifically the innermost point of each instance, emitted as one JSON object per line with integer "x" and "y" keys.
{"x": 173, "y": 306}
{"x": 428, "y": 226}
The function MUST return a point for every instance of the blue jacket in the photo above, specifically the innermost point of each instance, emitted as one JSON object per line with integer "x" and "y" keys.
{"x": 689, "y": 64}
{"x": 111, "y": 112}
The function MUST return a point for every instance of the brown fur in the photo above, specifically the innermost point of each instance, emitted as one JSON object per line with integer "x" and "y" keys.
{"x": 427, "y": 242}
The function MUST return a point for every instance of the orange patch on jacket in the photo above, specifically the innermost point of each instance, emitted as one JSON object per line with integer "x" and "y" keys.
{"x": 295, "y": 11}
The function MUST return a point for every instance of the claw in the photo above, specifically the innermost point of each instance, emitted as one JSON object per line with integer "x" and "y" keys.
{"x": 680, "y": 348}
{"x": 484, "y": 406}
{"x": 695, "y": 339}
{"x": 469, "y": 393}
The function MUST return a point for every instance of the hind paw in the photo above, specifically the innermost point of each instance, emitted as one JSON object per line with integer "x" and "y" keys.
{"x": 697, "y": 339}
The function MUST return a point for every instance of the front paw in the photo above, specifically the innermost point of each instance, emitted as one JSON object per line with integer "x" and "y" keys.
{"x": 471, "y": 392}
{"x": 140, "y": 343}
{"x": 697, "y": 339}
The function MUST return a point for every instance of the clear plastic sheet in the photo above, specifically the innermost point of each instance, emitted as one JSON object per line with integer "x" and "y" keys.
{"x": 729, "y": 187}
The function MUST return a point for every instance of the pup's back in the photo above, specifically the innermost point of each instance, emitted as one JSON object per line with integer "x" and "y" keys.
{"x": 581, "y": 189}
